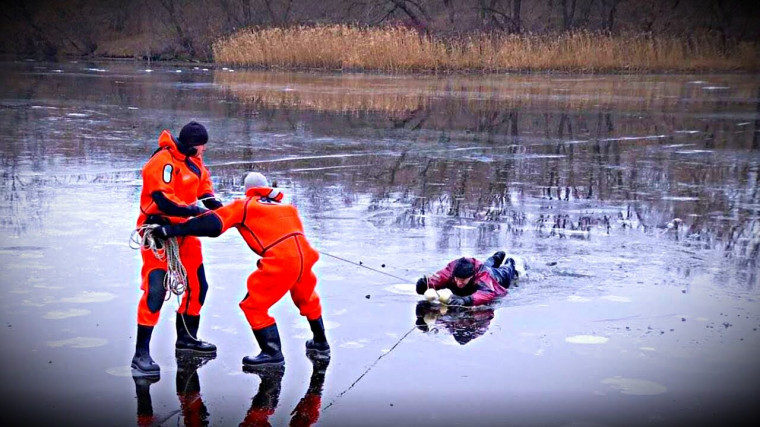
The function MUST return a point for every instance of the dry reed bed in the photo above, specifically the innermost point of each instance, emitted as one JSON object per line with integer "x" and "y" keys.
{"x": 394, "y": 49}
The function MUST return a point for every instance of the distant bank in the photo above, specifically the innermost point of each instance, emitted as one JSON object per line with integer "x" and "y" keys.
{"x": 403, "y": 50}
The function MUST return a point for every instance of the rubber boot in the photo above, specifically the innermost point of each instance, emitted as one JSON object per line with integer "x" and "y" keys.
{"x": 271, "y": 348}
{"x": 318, "y": 346}
{"x": 187, "y": 334}
{"x": 496, "y": 259}
{"x": 515, "y": 279}
{"x": 141, "y": 361}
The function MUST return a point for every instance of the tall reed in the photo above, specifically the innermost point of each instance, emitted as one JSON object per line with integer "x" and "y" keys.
{"x": 397, "y": 49}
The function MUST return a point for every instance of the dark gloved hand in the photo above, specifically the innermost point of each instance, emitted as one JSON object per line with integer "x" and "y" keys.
{"x": 422, "y": 285}
{"x": 161, "y": 232}
{"x": 157, "y": 219}
{"x": 457, "y": 300}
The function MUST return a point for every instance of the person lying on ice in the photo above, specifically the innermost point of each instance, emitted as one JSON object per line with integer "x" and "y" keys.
{"x": 472, "y": 282}
{"x": 272, "y": 230}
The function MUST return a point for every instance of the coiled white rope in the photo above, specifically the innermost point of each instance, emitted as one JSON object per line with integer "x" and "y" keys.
{"x": 175, "y": 280}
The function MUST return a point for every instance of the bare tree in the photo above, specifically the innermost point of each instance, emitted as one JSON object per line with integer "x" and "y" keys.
{"x": 412, "y": 9}
{"x": 173, "y": 8}
{"x": 756, "y": 134}
{"x": 22, "y": 11}
{"x": 491, "y": 11}
{"x": 609, "y": 9}
{"x": 568, "y": 14}
{"x": 281, "y": 16}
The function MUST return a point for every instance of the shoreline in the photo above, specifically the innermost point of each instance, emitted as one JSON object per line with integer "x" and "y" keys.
{"x": 334, "y": 71}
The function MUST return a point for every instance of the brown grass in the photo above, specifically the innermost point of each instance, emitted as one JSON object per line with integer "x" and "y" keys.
{"x": 394, "y": 49}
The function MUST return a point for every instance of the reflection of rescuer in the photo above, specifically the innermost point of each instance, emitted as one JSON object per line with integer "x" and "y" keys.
{"x": 188, "y": 384}
{"x": 174, "y": 179}
{"x": 264, "y": 403}
{"x": 306, "y": 413}
{"x": 472, "y": 282}
{"x": 273, "y": 230}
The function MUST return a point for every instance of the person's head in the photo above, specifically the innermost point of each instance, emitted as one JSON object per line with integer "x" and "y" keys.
{"x": 192, "y": 139}
{"x": 464, "y": 270}
{"x": 255, "y": 179}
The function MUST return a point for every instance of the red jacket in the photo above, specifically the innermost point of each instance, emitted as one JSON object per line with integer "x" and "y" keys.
{"x": 483, "y": 287}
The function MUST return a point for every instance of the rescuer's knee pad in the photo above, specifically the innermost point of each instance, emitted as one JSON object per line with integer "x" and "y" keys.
{"x": 156, "y": 290}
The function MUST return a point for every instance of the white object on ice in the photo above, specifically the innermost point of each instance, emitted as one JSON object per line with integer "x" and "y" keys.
{"x": 431, "y": 295}
{"x": 444, "y": 295}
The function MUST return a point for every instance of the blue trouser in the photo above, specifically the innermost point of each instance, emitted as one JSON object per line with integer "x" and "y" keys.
{"x": 505, "y": 274}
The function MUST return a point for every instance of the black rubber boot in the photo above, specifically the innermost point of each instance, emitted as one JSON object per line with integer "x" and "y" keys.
{"x": 496, "y": 259}
{"x": 141, "y": 361}
{"x": 187, "y": 332}
{"x": 515, "y": 279}
{"x": 318, "y": 346}
{"x": 271, "y": 348}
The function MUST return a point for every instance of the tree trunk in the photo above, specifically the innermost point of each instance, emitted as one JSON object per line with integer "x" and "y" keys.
{"x": 568, "y": 12}
{"x": 756, "y": 134}
{"x": 516, "y": 19}
{"x": 418, "y": 22}
{"x": 609, "y": 23}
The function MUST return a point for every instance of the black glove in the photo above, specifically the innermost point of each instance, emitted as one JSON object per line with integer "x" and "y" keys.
{"x": 422, "y": 285}
{"x": 157, "y": 219}
{"x": 162, "y": 232}
{"x": 457, "y": 300}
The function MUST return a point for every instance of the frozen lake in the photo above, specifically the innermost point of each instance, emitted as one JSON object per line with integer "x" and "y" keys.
{"x": 634, "y": 201}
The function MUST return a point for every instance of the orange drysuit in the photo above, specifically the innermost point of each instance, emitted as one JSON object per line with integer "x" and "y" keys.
{"x": 274, "y": 231}
{"x": 172, "y": 185}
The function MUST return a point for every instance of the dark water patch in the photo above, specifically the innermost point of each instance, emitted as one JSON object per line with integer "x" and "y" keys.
{"x": 21, "y": 248}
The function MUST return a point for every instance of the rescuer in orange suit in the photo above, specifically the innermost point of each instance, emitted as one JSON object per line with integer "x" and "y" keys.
{"x": 174, "y": 180}
{"x": 273, "y": 230}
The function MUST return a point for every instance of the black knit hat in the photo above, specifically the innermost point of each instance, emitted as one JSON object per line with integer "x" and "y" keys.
{"x": 464, "y": 268}
{"x": 193, "y": 134}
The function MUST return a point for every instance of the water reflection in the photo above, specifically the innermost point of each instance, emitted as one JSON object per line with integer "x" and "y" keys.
{"x": 145, "y": 416}
{"x": 566, "y": 157}
{"x": 463, "y": 323}
{"x": 415, "y": 94}
{"x": 267, "y": 397}
{"x": 537, "y": 157}
{"x": 188, "y": 388}
{"x": 306, "y": 412}
{"x": 193, "y": 409}
{"x": 607, "y": 182}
